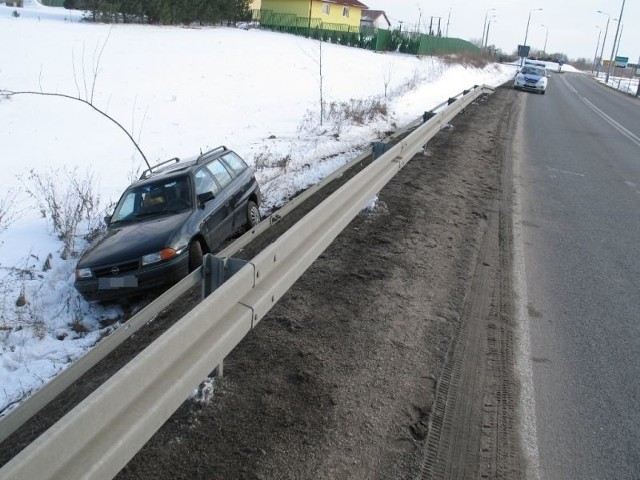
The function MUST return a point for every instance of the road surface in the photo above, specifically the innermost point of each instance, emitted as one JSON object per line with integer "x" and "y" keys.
{"x": 578, "y": 178}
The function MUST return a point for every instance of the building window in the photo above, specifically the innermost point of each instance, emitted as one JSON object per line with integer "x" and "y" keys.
{"x": 345, "y": 12}
{"x": 326, "y": 8}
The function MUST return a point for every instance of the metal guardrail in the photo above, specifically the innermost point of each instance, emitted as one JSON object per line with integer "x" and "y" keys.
{"x": 101, "y": 434}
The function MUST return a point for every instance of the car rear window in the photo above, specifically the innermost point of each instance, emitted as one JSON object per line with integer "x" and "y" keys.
{"x": 220, "y": 172}
{"x": 235, "y": 163}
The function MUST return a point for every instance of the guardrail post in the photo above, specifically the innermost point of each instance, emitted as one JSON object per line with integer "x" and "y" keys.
{"x": 216, "y": 271}
{"x": 427, "y": 115}
{"x": 212, "y": 274}
{"x": 451, "y": 100}
{"x": 379, "y": 148}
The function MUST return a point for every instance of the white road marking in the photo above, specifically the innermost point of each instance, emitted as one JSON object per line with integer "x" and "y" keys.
{"x": 523, "y": 336}
{"x": 631, "y": 136}
{"x": 568, "y": 173}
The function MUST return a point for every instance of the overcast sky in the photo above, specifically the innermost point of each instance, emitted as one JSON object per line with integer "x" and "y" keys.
{"x": 571, "y": 23}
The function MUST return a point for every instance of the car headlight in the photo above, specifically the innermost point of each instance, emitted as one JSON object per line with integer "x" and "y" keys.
{"x": 519, "y": 77}
{"x": 156, "y": 257}
{"x": 83, "y": 273}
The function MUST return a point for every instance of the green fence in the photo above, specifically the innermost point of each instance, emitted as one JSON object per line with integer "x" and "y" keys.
{"x": 363, "y": 37}
{"x": 53, "y": 3}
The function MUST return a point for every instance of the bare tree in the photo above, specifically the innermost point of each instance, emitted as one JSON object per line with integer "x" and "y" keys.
{"x": 318, "y": 61}
{"x": 320, "y": 80}
{"x": 87, "y": 98}
{"x": 387, "y": 74}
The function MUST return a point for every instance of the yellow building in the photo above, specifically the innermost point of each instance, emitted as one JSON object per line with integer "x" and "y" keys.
{"x": 343, "y": 12}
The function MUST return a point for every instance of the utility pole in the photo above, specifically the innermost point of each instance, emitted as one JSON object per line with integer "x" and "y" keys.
{"x": 484, "y": 27}
{"x": 595, "y": 56}
{"x": 615, "y": 39}
{"x": 606, "y": 30}
{"x": 448, "y": 22}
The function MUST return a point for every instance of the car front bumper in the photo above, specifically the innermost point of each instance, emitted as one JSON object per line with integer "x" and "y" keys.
{"x": 148, "y": 278}
{"x": 534, "y": 87}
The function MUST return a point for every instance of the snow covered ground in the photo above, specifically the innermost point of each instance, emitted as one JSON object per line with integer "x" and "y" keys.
{"x": 624, "y": 84}
{"x": 177, "y": 91}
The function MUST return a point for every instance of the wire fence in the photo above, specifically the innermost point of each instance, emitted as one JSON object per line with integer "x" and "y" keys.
{"x": 371, "y": 38}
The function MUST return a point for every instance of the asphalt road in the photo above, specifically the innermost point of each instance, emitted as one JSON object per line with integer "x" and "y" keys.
{"x": 579, "y": 188}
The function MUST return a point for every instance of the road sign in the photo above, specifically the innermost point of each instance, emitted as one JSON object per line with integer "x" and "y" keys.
{"x": 621, "y": 62}
{"x": 523, "y": 50}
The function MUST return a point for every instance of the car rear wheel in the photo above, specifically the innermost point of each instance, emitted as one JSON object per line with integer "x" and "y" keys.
{"x": 195, "y": 255}
{"x": 253, "y": 215}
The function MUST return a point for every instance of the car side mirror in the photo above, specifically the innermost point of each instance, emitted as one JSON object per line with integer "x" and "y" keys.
{"x": 205, "y": 197}
{"x": 107, "y": 219}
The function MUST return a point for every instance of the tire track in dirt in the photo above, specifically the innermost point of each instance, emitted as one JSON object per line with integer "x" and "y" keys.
{"x": 473, "y": 430}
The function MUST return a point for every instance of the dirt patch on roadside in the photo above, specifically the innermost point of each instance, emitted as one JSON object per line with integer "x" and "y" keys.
{"x": 340, "y": 379}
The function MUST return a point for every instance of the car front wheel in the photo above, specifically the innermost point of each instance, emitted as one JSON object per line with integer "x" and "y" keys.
{"x": 195, "y": 255}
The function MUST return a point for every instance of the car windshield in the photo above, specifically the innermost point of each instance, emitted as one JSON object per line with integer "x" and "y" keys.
{"x": 533, "y": 71}
{"x": 152, "y": 199}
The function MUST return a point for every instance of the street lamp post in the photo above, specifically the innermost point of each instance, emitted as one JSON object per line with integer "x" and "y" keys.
{"x": 619, "y": 38}
{"x": 546, "y": 37}
{"x": 613, "y": 50}
{"x": 526, "y": 32}
{"x": 484, "y": 27}
{"x": 486, "y": 40}
{"x": 606, "y": 29}
{"x": 595, "y": 55}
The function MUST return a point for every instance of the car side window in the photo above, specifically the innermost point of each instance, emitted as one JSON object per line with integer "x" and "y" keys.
{"x": 205, "y": 182}
{"x": 220, "y": 172}
{"x": 234, "y": 162}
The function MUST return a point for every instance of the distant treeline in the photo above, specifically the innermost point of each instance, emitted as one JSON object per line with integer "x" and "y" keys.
{"x": 166, "y": 12}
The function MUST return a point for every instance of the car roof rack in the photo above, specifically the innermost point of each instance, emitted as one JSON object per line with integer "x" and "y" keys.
{"x": 150, "y": 170}
{"x": 205, "y": 155}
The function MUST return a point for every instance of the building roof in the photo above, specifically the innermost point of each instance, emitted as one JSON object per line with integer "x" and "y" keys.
{"x": 373, "y": 15}
{"x": 350, "y": 3}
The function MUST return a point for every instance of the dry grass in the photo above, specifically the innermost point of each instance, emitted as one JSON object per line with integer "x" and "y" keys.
{"x": 471, "y": 59}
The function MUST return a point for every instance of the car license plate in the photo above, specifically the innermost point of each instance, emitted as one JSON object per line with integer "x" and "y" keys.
{"x": 117, "y": 282}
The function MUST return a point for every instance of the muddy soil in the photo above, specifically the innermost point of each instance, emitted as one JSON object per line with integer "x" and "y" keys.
{"x": 391, "y": 357}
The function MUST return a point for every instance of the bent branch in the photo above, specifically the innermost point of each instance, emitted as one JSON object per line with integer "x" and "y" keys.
{"x": 10, "y": 93}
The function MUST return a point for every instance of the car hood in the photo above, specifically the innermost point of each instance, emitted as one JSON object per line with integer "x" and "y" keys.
{"x": 131, "y": 241}
{"x": 535, "y": 78}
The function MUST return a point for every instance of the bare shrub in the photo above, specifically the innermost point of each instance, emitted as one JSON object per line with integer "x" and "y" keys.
{"x": 8, "y": 213}
{"x": 64, "y": 204}
{"x": 357, "y": 111}
{"x": 135, "y": 171}
{"x": 387, "y": 74}
{"x": 471, "y": 59}
{"x": 266, "y": 159}
{"x": 308, "y": 121}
